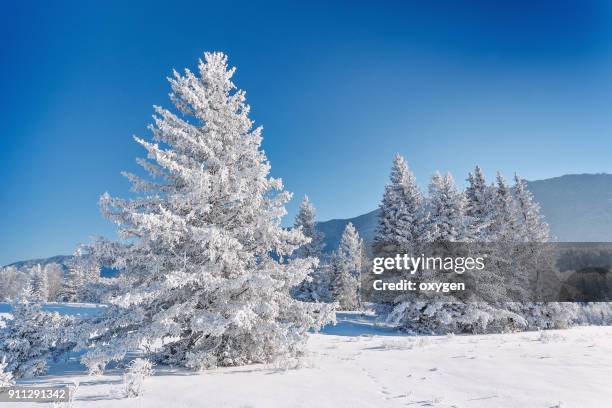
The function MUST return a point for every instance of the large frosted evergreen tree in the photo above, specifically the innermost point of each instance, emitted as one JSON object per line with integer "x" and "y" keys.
{"x": 400, "y": 217}
{"x": 206, "y": 265}
{"x": 346, "y": 269}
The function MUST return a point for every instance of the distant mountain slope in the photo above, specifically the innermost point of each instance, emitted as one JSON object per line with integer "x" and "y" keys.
{"x": 365, "y": 225}
{"x": 63, "y": 261}
{"x": 578, "y": 207}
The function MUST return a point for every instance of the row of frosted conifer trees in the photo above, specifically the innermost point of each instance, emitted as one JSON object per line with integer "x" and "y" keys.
{"x": 408, "y": 219}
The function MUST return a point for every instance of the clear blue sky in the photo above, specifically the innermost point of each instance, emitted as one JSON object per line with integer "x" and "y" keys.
{"x": 338, "y": 86}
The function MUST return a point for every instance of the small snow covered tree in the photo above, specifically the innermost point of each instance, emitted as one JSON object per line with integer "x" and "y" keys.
{"x": 531, "y": 232}
{"x": 206, "y": 264}
{"x": 446, "y": 220}
{"x": 475, "y": 194}
{"x": 13, "y": 282}
{"x": 133, "y": 379}
{"x": 306, "y": 221}
{"x": 74, "y": 281}
{"x": 69, "y": 402}
{"x": 31, "y": 337}
{"x": 504, "y": 227}
{"x": 55, "y": 279}
{"x": 346, "y": 269}
{"x": 316, "y": 285}
{"x": 532, "y": 227}
{"x": 478, "y": 205}
{"x": 83, "y": 278}
{"x": 72, "y": 285}
{"x": 6, "y": 377}
{"x": 400, "y": 218}
{"x": 40, "y": 282}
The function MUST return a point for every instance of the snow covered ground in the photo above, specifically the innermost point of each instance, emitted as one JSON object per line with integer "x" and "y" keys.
{"x": 360, "y": 364}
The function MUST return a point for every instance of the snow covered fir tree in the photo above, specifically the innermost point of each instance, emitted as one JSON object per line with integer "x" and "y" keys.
{"x": 206, "y": 267}
{"x": 306, "y": 221}
{"x": 40, "y": 283}
{"x": 445, "y": 220}
{"x": 532, "y": 226}
{"x": 346, "y": 268}
{"x": 401, "y": 209}
{"x": 316, "y": 285}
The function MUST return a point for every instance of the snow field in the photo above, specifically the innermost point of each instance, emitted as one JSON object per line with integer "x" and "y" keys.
{"x": 382, "y": 368}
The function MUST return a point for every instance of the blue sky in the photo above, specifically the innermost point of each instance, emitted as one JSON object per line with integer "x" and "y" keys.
{"x": 338, "y": 86}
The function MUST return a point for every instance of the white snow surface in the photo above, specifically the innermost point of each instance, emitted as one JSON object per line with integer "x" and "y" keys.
{"x": 359, "y": 363}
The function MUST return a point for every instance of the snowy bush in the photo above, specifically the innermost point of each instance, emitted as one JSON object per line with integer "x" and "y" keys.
{"x": 206, "y": 266}
{"x": 598, "y": 313}
{"x": 72, "y": 390}
{"x": 403, "y": 344}
{"x": 133, "y": 379}
{"x": 6, "y": 377}
{"x": 548, "y": 337}
{"x": 454, "y": 317}
{"x": 446, "y": 317}
{"x": 31, "y": 337}
{"x": 551, "y": 315}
